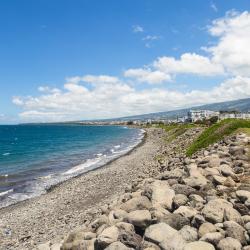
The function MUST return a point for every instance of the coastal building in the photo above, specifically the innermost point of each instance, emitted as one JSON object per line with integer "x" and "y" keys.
{"x": 199, "y": 115}
{"x": 233, "y": 115}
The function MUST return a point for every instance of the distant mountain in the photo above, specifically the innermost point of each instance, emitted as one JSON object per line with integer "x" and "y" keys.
{"x": 242, "y": 105}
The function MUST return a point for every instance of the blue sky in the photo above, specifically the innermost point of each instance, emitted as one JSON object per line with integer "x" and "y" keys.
{"x": 45, "y": 43}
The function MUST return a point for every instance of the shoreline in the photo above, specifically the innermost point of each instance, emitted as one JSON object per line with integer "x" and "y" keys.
{"x": 50, "y": 189}
{"x": 94, "y": 167}
{"x": 63, "y": 201}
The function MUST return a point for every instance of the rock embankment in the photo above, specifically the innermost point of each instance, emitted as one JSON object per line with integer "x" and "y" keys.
{"x": 184, "y": 203}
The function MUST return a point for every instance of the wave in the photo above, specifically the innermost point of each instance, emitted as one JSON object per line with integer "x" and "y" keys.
{"x": 40, "y": 184}
{"x": 5, "y": 154}
{"x": 6, "y": 192}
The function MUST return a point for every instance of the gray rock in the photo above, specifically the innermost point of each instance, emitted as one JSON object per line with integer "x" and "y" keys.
{"x": 199, "y": 245}
{"x": 212, "y": 238}
{"x": 243, "y": 195}
{"x": 186, "y": 211}
{"x": 146, "y": 245}
{"x": 137, "y": 203}
{"x": 197, "y": 181}
{"x": 117, "y": 246}
{"x": 197, "y": 220}
{"x": 232, "y": 214}
{"x": 176, "y": 221}
{"x": 130, "y": 239}
{"x": 189, "y": 233}
{"x": 183, "y": 189}
{"x": 99, "y": 222}
{"x": 162, "y": 194}
{"x": 139, "y": 218}
{"x": 158, "y": 232}
{"x": 206, "y": 228}
{"x": 214, "y": 210}
{"x": 108, "y": 236}
{"x": 235, "y": 231}
{"x": 219, "y": 180}
{"x": 226, "y": 170}
{"x": 175, "y": 242}
{"x": 229, "y": 244}
{"x": 180, "y": 200}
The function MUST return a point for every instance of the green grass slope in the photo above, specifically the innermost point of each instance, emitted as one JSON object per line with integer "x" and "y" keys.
{"x": 217, "y": 132}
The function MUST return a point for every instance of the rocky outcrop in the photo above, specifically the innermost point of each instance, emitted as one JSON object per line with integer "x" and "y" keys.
{"x": 190, "y": 203}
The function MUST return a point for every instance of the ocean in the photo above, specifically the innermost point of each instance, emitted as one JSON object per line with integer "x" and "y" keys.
{"x": 35, "y": 157}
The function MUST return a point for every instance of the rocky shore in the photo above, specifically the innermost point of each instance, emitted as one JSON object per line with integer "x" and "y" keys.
{"x": 76, "y": 201}
{"x": 170, "y": 201}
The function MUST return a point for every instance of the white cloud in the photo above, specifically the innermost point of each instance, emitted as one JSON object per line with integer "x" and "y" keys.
{"x": 148, "y": 76}
{"x": 214, "y": 7}
{"x": 118, "y": 99}
{"x": 137, "y": 29}
{"x": 188, "y": 64}
{"x": 150, "y": 38}
{"x": 232, "y": 50}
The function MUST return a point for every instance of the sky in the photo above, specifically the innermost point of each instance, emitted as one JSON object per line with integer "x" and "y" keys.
{"x": 63, "y": 60}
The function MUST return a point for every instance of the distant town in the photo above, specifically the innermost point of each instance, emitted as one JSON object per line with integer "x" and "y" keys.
{"x": 192, "y": 116}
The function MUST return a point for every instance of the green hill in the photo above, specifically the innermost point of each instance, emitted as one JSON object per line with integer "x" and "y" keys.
{"x": 217, "y": 132}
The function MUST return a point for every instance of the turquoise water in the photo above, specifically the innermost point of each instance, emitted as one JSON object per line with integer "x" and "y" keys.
{"x": 36, "y": 157}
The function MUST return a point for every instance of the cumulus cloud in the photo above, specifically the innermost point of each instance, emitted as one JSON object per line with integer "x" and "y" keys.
{"x": 232, "y": 50}
{"x": 189, "y": 63}
{"x": 146, "y": 75}
{"x": 118, "y": 99}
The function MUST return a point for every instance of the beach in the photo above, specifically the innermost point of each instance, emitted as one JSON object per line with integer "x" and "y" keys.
{"x": 72, "y": 203}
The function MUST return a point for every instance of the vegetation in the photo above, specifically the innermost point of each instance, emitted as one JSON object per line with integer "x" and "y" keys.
{"x": 217, "y": 132}
{"x": 174, "y": 130}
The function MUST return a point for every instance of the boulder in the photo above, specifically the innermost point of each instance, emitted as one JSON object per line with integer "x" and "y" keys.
{"x": 186, "y": 211}
{"x": 116, "y": 216}
{"x": 189, "y": 233}
{"x": 175, "y": 242}
{"x": 229, "y": 244}
{"x": 136, "y": 203}
{"x": 199, "y": 245}
{"x": 173, "y": 174}
{"x": 219, "y": 180}
{"x": 197, "y": 220}
{"x": 212, "y": 238}
{"x": 108, "y": 236}
{"x": 243, "y": 195}
{"x": 99, "y": 222}
{"x": 206, "y": 228}
{"x": 183, "y": 189}
{"x": 232, "y": 214}
{"x": 139, "y": 218}
{"x": 235, "y": 231}
{"x": 117, "y": 246}
{"x": 130, "y": 239}
{"x": 180, "y": 200}
{"x": 158, "y": 232}
{"x": 214, "y": 210}
{"x": 196, "y": 181}
{"x": 226, "y": 170}
{"x": 162, "y": 194}
{"x": 176, "y": 221}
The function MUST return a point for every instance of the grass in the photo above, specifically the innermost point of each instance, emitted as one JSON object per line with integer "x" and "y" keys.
{"x": 217, "y": 132}
{"x": 175, "y": 130}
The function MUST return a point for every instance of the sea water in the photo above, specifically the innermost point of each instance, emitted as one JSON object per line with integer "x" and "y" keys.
{"x": 35, "y": 157}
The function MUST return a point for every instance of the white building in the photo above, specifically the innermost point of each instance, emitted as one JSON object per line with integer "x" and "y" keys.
{"x": 199, "y": 115}
{"x": 234, "y": 115}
